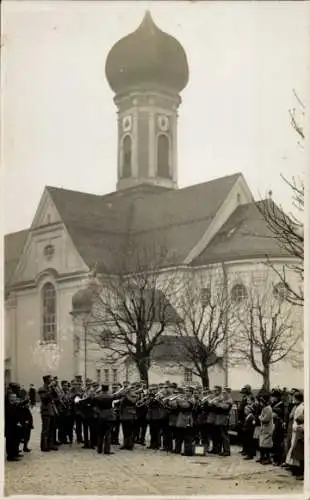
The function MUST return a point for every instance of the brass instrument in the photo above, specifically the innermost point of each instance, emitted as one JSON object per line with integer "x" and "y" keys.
{"x": 84, "y": 397}
{"x": 122, "y": 391}
{"x": 204, "y": 399}
{"x": 144, "y": 400}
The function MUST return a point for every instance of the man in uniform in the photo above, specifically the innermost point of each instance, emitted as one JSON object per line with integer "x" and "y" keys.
{"x": 222, "y": 421}
{"x": 103, "y": 402}
{"x": 48, "y": 415}
{"x": 214, "y": 399}
{"x": 88, "y": 421}
{"x": 128, "y": 417}
{"x": 77, "y": 391}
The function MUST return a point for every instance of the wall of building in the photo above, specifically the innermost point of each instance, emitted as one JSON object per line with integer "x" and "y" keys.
{"x": 33, "y": 358}
{"x": 284, "y": 373}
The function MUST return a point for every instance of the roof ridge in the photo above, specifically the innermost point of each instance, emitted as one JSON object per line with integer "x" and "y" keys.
{"x": 55, "y": 188}
{"x": 215, "y": 179}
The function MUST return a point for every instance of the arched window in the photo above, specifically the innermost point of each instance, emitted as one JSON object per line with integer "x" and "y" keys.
{"x": 49, "y": 313}
{"x": 238, "y": 294}
{"x": 127, "y": 156}
{"x": 163, "y": 169}
{"x": 280, "y": 291}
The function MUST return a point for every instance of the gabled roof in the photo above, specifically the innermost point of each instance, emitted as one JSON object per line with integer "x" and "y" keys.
{"x": 174, "y": 348}
{"x": 244, "y": 235}
{"x": 13, "y": 247}
{"x": 100, "y": 225}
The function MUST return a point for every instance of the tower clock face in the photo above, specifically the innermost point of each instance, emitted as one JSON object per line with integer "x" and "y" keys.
{"x": 127, "y": 123}
{"x": 163, "y": 123}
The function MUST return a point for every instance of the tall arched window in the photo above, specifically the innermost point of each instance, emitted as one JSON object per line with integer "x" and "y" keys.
{"x": 163, "y": 169}
{"x": 49, "y": 313}
{"x": 126, "y": 156}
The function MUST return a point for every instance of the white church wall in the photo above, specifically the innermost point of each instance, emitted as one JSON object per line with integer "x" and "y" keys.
{"x": 33, "y": 357}
{"x": 49, "y": 248}
{"x": 284, "y": 373}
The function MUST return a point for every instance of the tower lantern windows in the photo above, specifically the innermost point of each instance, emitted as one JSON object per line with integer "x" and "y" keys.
{"x": 163, "y": 154}
{"x": 127, "y": 157}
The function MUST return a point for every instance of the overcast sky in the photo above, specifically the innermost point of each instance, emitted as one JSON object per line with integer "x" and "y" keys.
{"x": 59, "y": 119}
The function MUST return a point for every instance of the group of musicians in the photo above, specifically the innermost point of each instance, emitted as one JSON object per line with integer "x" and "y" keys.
{"x": 179, "y": 419}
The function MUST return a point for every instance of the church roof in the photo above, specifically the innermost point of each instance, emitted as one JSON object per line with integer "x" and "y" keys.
{"x": 13, "y": 245}
{"x": 176, "y": 349}
{"x": 245, "y": 235}
{"x": 100, "y": 225}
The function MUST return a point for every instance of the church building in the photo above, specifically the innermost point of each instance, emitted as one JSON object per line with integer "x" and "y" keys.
{"x": 48, "y": 264}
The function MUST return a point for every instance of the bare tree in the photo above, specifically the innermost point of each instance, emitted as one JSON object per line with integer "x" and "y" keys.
{"x": 288, "y": 229}
{"x": 133, "y": 305}
{"x": 269, "y": 329}
{"x": 206, "y": 324}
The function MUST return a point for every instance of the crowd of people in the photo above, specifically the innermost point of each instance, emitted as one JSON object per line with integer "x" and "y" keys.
{"x": 18, "y": 420}
{"x": 183, "y": 420}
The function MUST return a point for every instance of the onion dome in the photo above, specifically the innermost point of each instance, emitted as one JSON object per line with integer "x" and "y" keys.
{"x": 147, "y": 57}
{"x": 82, "y": 301}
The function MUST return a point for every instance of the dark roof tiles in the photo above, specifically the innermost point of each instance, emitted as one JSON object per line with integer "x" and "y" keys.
{"x": 244, "y": 235}
{"x": 176, "y": 349}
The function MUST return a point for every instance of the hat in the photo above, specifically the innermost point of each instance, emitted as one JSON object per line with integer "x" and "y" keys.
{"x": 277, "y": 393}
{"x": 246, "y": 389}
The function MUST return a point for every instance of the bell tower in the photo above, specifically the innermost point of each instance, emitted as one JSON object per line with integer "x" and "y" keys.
{"x": 147, "y": 70}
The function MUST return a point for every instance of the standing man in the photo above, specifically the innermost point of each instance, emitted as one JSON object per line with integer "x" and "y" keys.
{"x": 77, "y": 392}
{"x": 222, "y": 421}
{"x": 116, "y": 408}
{"x": 213, "y": 410}
{"x": 103, "y": 401}
{"x": 246, "y": 393}
{"x": 48, "y": 415}
{"x": 12, "y": 425}
{"x": 128, "y": 417}
{"x": 88, "y": 420}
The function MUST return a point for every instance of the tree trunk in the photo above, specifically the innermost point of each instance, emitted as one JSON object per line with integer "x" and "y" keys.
{"x": 205, "y": 378}
{"x": 143, "y": 369}
{"x": 266, "y": 378}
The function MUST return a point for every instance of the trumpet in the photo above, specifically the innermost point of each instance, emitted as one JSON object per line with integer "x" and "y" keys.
{"x": 144, "y": 401}
{"x": 123, "y": 391}
{"x": 204, "y": 399}
{"x": 79, "y": 399}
